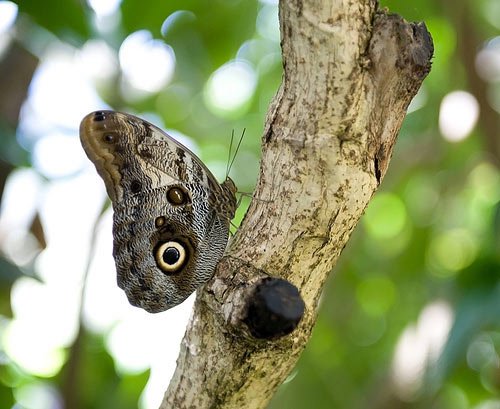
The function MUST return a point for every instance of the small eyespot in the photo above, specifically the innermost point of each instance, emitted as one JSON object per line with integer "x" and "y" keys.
{"x": 99, "y": 116}
{"x": 170, "y": 257}
{"x": 177, "y": 196}
{"x": 109, "y": 138}
{"x": 160, "y": 221}
{"x": 135, "y": 186}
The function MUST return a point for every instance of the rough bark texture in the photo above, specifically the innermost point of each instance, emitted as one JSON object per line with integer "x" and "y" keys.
{"x": 350, "y": 72}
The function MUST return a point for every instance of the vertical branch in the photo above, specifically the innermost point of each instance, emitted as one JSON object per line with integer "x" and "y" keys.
{"x": 350, "y": 72}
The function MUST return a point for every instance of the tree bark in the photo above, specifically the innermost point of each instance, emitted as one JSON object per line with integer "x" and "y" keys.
{"x": 350, "y": 72}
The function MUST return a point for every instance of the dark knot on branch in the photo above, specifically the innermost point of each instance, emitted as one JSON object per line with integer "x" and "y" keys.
{"x": 274, "y": 308}
{"x": 253, "y": 303}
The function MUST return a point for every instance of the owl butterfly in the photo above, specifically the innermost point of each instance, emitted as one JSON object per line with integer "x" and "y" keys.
{"x": 171, "y": 217}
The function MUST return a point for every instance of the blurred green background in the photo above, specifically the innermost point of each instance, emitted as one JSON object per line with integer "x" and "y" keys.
{"x": 410, "y": 317}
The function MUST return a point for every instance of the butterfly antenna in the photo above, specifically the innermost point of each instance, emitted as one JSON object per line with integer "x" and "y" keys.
{"x": 236, "y": 151}
{"x": 228, "y": 167}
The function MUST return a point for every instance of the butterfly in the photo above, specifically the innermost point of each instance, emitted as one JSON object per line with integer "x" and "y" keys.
{"x": 171, "y": 217}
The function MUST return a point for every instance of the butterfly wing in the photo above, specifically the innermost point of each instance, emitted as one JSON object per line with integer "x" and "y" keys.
{"x": 171, "y": 216}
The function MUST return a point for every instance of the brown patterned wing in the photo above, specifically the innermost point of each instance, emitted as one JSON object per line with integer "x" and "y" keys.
{"x": 171, "y": 217}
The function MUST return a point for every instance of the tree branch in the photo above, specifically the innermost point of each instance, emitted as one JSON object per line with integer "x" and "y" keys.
{"x": 350, "y": 72}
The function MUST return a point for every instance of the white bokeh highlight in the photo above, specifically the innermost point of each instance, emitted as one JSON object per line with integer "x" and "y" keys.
{"x": 104, "y": 8}
{"x": 458, "y": 114}
{"x": 419, "y": 346}
{"x": 61, "y": 92}
{"x": 8, "y": 14}
{"x": 230, "y": 87}
{"x": 99, "y": 60}
{"x": 71, "y": 162}
{"x": 147, "y": 64}
{"x": 267, "y": 21}
{"x": 488, "y": 61}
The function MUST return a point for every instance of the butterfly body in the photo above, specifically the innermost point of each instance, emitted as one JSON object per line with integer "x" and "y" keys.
{"x": 171, "y": 217}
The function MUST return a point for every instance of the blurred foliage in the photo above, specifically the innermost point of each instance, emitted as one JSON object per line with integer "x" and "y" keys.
{"x": 70, "y": 22}
{"x": 428, "y": 245}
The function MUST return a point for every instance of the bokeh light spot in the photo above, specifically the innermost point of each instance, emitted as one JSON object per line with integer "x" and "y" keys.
{"x": 485, "y": 180}
{"x": 488, "y": 60}
{"x": 230, "y": 88}
{"x": 147, "y": 64}
{"x": 104, "y": 7}
{"x": 481, "y": 352}
{"x": 49, "y": 318}
{"x": 488, "y": 404}
{"x": 47, "y": 156}
{"x": 177, "y": 17}
{"x": 124, "y": 342}
{"x": 419, "y": 346}
{"x": 451, "y": 251}
{"x": 452, "y": 397}
{"x": 458, "y": 114}
{"x": 59, "y": 94}
{"x": 489, "y": 377}
{"x": 376, "y": 295}
{"x": 37, "y": 395}
{"x": 418, "y": 100}
{"x": 38, "y": 357}
{"x": 8, "y": 14}
{"x": 385, "y": 216}
{"x": 490, "y": 11}
{"x": 99, "y": 60}
{"x": 267, "y": 22}
{"x": 19, "y": 201}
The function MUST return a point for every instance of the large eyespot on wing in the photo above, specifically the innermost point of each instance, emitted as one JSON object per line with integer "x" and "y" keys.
{"x": 171, "y": 256}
